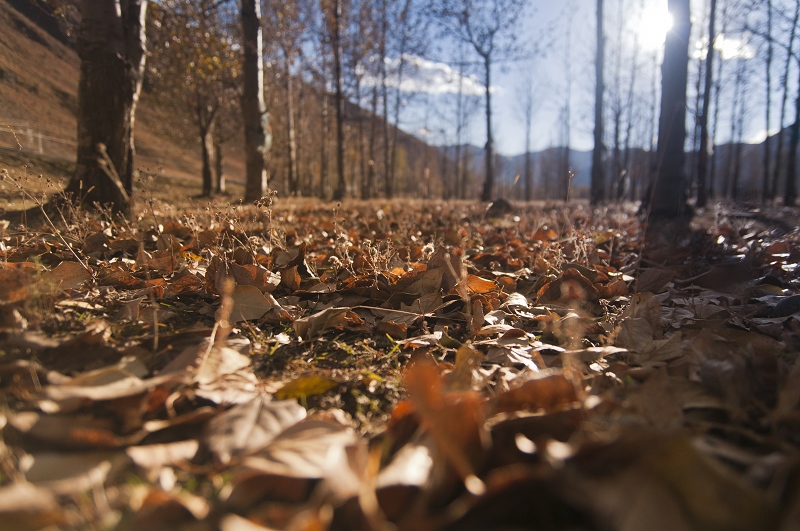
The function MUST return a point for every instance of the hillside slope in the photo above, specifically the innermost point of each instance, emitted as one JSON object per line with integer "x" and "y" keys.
{"x": 38, "y": 104}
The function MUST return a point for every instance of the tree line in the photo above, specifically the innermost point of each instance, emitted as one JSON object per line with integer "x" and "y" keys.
{"x": 735, "y": 61}
{"x": 325, "y": 121}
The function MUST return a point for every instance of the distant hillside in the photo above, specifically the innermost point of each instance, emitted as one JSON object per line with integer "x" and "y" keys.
{"x": 38, "y": 97}
{"x": 545, "y": 163}
{"x": 750, "y": 169}
{"x": 38, "y": 103}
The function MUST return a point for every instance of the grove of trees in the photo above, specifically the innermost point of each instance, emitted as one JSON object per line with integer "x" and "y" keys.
{"x": 313, "y": 92}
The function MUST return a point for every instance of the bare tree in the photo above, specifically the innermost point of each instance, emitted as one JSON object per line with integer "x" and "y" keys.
{"x": 466, "y": 106}
{"x": 194, "y": 67}
{"x": 765, "y": 192}
{"x": 712, "y": 177}
{"x": 257, "y": 135}
{"x": 702, "y": 160}
{"x": 334, "y": 15}
{"x": 111, "y": 48}
{"x": 730, "y": 186}
{"x": 597, "y": 184}
{"x": 668, "y": 199}
{"x": 286, "y": 22}
{"x": 784, "y": 97}
{"x": 790, "y": 189}
{"x": 564, "y": 168}
{"x": 489, "y": 26}
{"x": 410, "y": 31}
{"x": 529, "y": 105}
{"x": 627, "y": 183}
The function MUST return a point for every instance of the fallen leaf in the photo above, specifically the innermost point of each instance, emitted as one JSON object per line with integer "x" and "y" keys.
{"x": 74, "y": 473}
{"x": 317, "y": 323}
{"x": 250, "y": 304}
{"x": 480, "y": 285}
{"x": 247, "y": 428}
{"x": 546, "y": 391}
{"x": 66, "y": 275}
{"x": 154, "y": 456}
{"x": 26, "y": 507}
{"x": 303, "y": 386}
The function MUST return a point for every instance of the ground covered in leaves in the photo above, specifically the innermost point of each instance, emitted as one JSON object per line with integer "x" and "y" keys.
{"x": 399, "y": 366}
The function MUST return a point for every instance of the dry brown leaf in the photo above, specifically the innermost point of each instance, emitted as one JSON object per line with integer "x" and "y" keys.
{"x": 26, "y": 507}
{"x": 480, "y": 285}
{"x": 546, "y": 391}
{"x": 653, "y": 280}
{"x": 250, "y": 304}
{"x": 65, "y": 276}
{"x": 454, "y": 420}
{"x": 14, "y": 282}
{"x": 75, "y": 473}
{"x": 317, "y": 323}
{"x": 247, "y": 428}
{"x": 155, "y": 456}
{"x": 711, "y": 497}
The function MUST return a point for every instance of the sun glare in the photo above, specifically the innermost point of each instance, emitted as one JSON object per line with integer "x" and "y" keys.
{"x": 652, "y": 27}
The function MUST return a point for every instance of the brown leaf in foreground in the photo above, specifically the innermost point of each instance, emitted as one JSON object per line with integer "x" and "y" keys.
{"x": 454, "y": 420}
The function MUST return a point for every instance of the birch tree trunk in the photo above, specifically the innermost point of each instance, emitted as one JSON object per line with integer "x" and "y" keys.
{"x": 111, "y": 47}
{"x": 257, "y": 135}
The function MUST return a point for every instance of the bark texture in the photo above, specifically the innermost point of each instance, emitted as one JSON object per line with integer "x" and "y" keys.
{"x": 598, "y": 182}
{"x": 111, "y": 47}
{"x": 257, "y": 135}
{"x": 669, "y": 199}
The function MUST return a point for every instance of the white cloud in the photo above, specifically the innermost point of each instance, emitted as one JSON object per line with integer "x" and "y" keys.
{"x": 733, "y": 47}
{"x": 424, "y": 76}
{"x": 727, "y": 46}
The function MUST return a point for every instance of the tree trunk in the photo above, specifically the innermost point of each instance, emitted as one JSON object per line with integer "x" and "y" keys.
{"x": 369, "y": 189}
{"x": 528, "y": 169}
{"x": 598, "y": 185}
{"x": 205, "y": 118}
{"x": 790, "y": 190}
{"x": 669, "y": 194}
{"x": 323, "y": 149}
{"x": 291, "y": 132}
{"x": 388, "y": 185}
{"x": 207, "y": 149}
{"x": 784, "y": 97}
{"x": 694, "y": 150}
{"x": 341, "y": 186}
{"x": 111, "y": 47}
{"x": 765, "y": 193}
{"x": 257, "y": 135}
{"x": 652, "y": 166}
{"x": 488, "y": 183}
{"x": 397, "y": 99}
{"x": 219, "y": 177}
{"x": 728, "y": 191}
{"x": 702, "y": 156}
{"x": 363, "y": 157}
{"x": 628, "y": 180}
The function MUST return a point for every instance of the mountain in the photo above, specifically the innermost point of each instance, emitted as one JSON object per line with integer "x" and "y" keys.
{"x": 750, "y": 168}
{"x": 546, "y": 165}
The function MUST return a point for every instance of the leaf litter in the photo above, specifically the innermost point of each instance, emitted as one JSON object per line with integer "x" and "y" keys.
{"x": 399, "y": 366}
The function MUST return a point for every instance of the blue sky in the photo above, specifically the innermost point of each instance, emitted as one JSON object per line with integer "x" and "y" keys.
{"x": 638, "y": 24}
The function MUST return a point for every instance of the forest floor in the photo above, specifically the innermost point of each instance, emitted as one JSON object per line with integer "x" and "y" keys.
{"x": 397, "y": 365}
